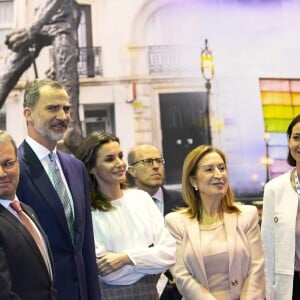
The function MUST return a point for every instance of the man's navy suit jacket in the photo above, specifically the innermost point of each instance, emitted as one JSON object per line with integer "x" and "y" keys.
{"x": 75, "y": 265}
{"x": 172, "y": 199}
{"x": 23, "y": 272}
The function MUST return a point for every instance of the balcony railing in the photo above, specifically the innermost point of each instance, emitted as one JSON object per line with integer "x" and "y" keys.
{"x": 90, "y": 61}
{"x": 173, "y": 59}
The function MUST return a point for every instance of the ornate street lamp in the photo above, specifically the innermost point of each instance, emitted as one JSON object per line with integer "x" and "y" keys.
{"x": 208, "y": 72}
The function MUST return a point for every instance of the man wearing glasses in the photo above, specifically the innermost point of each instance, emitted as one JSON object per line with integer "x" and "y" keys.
{"x": 146, "y": 167}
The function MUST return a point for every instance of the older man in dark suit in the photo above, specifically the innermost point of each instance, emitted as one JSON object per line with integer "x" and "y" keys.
{"x": 55, "y": 185}
{"x": 26, "y": 268}
{"x": 146, "y": 167}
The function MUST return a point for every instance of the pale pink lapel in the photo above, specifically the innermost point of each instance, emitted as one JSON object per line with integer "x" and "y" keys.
{"x": 193, "y": 231}
{"x": 230, "y": 221}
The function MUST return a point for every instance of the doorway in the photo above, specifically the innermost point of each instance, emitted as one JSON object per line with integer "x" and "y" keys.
{"x": 184, "y": 125}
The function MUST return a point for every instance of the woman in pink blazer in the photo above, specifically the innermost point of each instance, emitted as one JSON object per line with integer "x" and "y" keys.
{"x": 218, "y": 252}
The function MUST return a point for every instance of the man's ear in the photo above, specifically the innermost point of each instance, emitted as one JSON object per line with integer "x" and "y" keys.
{"x": 28, "y": 114}
{"x": 131, "y": 171}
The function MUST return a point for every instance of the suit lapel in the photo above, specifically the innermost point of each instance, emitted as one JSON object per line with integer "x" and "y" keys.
{"x": 43, "y": 185}
{"x": 166, "y": 200}
{"x": 230, "y": 222}
{"x": 193, "y": 231}
{"x": 17, "y": 224}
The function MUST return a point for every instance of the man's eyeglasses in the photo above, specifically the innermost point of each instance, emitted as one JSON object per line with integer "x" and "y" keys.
{"x": 148, "y": 162}
{"x": 9, "y": 164}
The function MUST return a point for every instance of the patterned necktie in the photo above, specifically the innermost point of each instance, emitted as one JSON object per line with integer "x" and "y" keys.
{"x": 27, "y": 222}
{"x": 61, "y": 190}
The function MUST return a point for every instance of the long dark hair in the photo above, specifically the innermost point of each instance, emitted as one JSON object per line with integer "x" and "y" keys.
{"x": 87, "y": 153}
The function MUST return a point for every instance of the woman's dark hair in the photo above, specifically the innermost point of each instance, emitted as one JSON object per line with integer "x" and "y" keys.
{"x": 290, "y": 159}
{"x": 87, "y": 153}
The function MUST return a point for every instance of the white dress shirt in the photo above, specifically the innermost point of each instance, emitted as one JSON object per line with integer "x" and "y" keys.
{"x": 42, "y": 154}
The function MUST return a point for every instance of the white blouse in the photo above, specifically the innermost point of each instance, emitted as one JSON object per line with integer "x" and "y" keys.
{"x": 135, "y": 227}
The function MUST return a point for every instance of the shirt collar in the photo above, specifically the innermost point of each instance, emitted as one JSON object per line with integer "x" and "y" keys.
{"x": 6, "y": 203}
{"x": 159, "y": 195}
{"x": 40, "y": 151}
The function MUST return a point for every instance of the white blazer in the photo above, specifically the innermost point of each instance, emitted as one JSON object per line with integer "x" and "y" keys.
{"x": 280, "y": 205}
{"x": 246, "y": 261}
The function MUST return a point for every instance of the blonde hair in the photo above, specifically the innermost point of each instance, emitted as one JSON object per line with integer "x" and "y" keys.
{"x": 190, "y": 195}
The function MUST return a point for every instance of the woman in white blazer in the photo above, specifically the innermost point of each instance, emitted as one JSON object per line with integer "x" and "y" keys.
{"x": 218, "y": 246}
{"x": 281, "y": 225}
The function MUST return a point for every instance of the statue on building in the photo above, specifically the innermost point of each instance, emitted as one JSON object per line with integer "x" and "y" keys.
{"x": 55, "y": 23}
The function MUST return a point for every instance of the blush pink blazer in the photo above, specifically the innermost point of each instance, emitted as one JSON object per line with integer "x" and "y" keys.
{"x": 246, "y": 260}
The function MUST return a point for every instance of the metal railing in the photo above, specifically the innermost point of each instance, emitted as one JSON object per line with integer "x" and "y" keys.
{"x": 173, "y": 59}
{"x": 90, "y": 61}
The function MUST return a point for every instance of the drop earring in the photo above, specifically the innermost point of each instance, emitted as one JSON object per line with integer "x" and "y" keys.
{"x": 195, "y": 188}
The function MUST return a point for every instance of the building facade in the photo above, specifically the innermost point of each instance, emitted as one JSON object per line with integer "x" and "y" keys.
{"x": 140, "y": 75}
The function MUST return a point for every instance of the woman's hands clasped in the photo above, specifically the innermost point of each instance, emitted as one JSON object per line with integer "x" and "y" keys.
{"x": 109, "y": 262}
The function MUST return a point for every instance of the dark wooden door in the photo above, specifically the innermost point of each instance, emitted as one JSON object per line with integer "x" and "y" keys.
{"x": 185, "y": 125}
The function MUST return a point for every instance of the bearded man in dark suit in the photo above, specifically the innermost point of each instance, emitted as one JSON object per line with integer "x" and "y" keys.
{"x": 68, "y": 227}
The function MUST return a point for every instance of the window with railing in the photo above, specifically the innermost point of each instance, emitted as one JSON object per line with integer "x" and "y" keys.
{"x": 90, "y": 58}
{"x": 90, "y": 61}
{"x": 173, "y": 59}
{"x": 169, "y": 33}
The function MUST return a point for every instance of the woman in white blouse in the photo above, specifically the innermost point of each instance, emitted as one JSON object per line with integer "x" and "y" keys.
{"x": 132, "y": 243}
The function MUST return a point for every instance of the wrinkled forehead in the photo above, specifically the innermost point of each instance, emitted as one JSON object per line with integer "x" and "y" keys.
{"x": 53, "y": 96}
{"x": 49, "y": 91}
{"x": 147, "y": 152}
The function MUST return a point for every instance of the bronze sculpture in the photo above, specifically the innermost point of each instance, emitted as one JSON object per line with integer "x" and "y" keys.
{"x": 55, "y": 23}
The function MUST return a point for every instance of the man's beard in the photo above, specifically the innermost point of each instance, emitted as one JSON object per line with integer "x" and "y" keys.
{"x": 43, "y": 130}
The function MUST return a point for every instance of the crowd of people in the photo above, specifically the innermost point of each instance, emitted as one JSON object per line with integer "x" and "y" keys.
{"x": 71, "y": 227}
